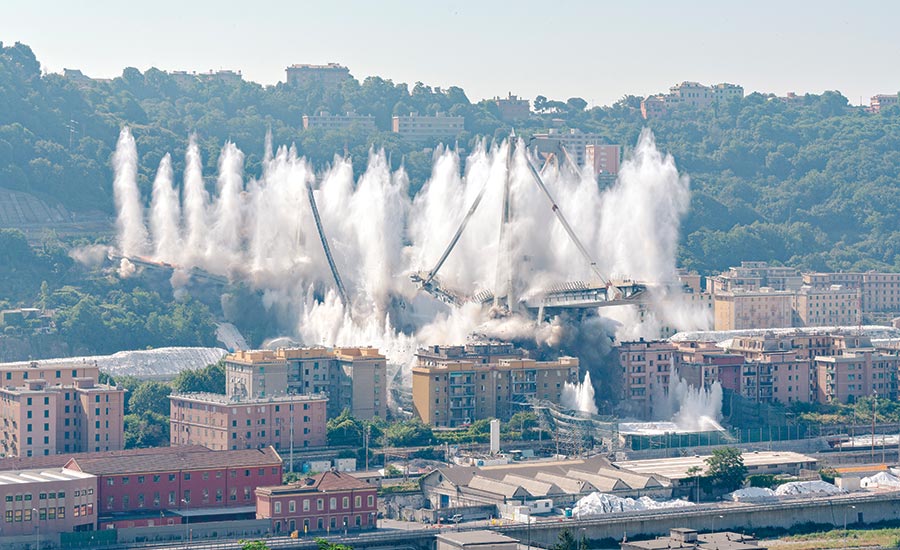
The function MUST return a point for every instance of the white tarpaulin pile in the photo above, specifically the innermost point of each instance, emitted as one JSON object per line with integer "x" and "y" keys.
{"x": 807, "y": 487}
{"x": 751, "y": 494}
{"x": 883, "y": 480}
{"x": 596, "y": 504}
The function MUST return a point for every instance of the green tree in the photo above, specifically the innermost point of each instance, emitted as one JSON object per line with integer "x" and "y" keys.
{"x": 150, "y": 396}
{"x": 209, "y": 379}
{"x": 725, "y": 469}
{"x": 146, "y": 430}
{"x": 253, "y": 545}
{"x": 407, "y": 433}
{"x": 324, "y": 544}
{"x": 345, "y": 430}
{"x": 567, "y": 541}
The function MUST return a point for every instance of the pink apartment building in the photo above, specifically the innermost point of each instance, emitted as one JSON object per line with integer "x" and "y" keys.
{"x": 220, "y": 422}
{"x": 55, "y": 408}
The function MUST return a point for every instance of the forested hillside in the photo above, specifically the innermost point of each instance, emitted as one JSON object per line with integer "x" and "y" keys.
{"x": 811, "y": 182}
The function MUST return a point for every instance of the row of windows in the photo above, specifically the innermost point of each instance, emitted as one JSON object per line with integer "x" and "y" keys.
{"x": 320, "y": 524}
{"x": 173, "y": 498}
{"x": 320, "y": 504}
{"x": 58, "y": 374}
{"x": 125, "y": 480}
{"x": 47, "y": 513}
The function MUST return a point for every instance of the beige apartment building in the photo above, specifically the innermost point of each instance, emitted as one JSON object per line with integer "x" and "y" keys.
{"x": 221, "y": 423}
{"x": 878, "y": 292}
{"x": 329, "y": 76}
{"x": 349, "y": 121}
{"x": 352, "y": 378}
{"x": 753, "y": 276}
{"x": 53, "y": 408}
{"x": 417, "y": 128}
{"x": 464, "y": 387}
{"x": 832, "y": 306}
{"x": 753, "y": 309}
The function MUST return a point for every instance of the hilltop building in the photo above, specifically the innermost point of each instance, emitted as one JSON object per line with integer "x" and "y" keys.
{"x": 880, "y": 101}
{"x": 456, "y": 385}
{"x": 330, "y": 76}
{"x": 348, "y": 121}
{"x": 691, "y": 94}
{"x": 47, "y": 409}
{"x": 418, "y": 128}
{"x": 512, "y": 108}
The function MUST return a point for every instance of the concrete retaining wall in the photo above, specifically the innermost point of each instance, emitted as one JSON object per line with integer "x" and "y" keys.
{"x": 735, "y": 517}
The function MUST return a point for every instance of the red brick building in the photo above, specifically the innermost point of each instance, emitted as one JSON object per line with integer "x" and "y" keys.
{"x": 330, "y": 501}
{"x": 181, "y": 480}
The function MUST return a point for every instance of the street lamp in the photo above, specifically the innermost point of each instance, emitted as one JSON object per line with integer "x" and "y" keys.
{"x": 37, "y": 529}
{"x": 187, "y": 518}
{"x": 851, "y": 507}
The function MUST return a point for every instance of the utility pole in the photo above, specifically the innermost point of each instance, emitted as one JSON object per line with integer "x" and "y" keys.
{"x": 874, "y": 412}
{"x": 291, "y": 405}
{"x": 366, "y": 434}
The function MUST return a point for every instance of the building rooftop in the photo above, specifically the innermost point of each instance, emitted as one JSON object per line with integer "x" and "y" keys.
{"x": 689, "y": 538}
{"x": 676, "y": 468}
{"x": 320, "y": 483}
{"x": 60, "y": 460}
{"x": 40, "y": 475}
{"x": 174, "y": 459}
{"x": 222, "y": 399}
{"x": 474, "y": 538}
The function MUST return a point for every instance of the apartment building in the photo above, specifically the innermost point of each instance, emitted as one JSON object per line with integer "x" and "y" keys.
{"x": 47, "y": 501}
{"x": 134, "y": 488}
{"x": 351, "y": 378}
{"x": 455, "y": 386}
{"x": 646, "y": 367}
{"x": 329, "y": 76}
{"x": 753, "y": 276}
{"x": 575, "y": 142}
{"x": 880, "y": 101}
{"x": 51, "y": 408}
{"x": 324, "y": 503}
{"x": 753, "y": 309}
{"x": 348, "y": 121}
{"x": 833, "y": 306}
{"x": 855, "y": 369}
{"x": 701, "y": 364}
{"x": 512, "y": 108}
{"x": 603, "y": 159}
{"x": 777, "y": 367}
{"x": 879, "y": 292}
{"x": 419, "y": 128}
{"x": 220, "y": 423}
{"x": 691, "y": 94}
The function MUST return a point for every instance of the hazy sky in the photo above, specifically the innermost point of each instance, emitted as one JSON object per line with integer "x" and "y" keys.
{"x": 594, "y": 49}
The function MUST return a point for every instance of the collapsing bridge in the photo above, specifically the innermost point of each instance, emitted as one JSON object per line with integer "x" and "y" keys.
{"x": 574, "y": 295}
